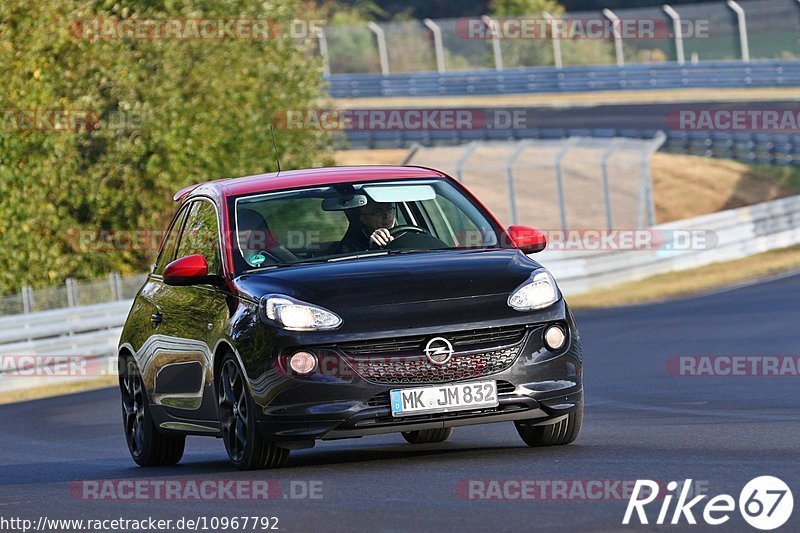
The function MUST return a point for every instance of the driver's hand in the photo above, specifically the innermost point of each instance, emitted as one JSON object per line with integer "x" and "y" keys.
{"x": 381, "y": 237}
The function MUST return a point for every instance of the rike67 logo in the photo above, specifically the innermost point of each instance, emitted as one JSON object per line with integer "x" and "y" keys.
{"x": 765, "y": 503}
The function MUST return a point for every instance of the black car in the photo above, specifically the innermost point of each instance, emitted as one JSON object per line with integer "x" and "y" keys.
{"x": 343, "y": 302}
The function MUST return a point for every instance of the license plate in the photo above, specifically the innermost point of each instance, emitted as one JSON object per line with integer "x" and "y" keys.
{"x": 444, "y": 398}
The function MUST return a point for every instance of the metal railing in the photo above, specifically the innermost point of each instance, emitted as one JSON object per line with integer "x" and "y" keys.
{"x": 722, "y": 74}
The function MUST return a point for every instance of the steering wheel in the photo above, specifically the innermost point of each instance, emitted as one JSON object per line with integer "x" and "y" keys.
{"x": 401, "y": 230}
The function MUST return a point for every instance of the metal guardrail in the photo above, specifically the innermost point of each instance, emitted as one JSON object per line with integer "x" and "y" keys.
{"x": 81, "y": 333}
{"x": 739, "y": 233}
{"x": 711, "y": 74}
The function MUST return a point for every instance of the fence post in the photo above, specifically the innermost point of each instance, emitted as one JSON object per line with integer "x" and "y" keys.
{"x": 492, "y": 26}
{"x": 438, "y": 47}
{"x": 412, "y": 151}
{"x": 556, "y": 37}
{"x": 512, "y": 196}
{"x": 562, "y": 204}
{"x": 647, "y": 210}
{"x": 27, "y": 299}
{"x": 322, "y": 38}
{"x": 115, "y": 280}
{"x": 382, "y": 53}
{"x": 677, "y": 29}
{"x": 72, "y": 292}
{"x": 471, "y": 147}
{"x": 606, "y": 188}
{"x": 742, "y": 19}
{"x": 615, "y": 22}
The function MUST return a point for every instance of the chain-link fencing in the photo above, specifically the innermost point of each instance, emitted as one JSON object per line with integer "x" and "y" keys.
{"x": 745, "y": 30}
{"x": 72, "y": 293}
{"x": 572, "y": 183}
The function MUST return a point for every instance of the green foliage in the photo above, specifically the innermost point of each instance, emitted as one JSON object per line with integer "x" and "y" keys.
{"x": 784, "y": 176}
{"x": 513, "y": 8}
{"x": 192, "y": 110}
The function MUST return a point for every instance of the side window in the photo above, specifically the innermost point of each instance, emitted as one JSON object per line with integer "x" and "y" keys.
{"x": 200, "y": 234}
{"x": 170, "y": 242}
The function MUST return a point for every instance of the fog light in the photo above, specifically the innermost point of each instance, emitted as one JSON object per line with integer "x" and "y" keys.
{"x": 554, "y": 337}
{"x": 303, "y": 362}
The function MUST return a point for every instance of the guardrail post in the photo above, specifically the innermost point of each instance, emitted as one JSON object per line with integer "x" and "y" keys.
{"x": 742, "y": 20}
{"x": 438, "y": 47}
{"x": 677, "y": 29}
{"x": 471, "y": 147}
{"x": 493, "y": 27}
{"x": 27, "y": 299}
{"x": 512, "y": 196}
{"x": 617, "y": 36}
{"x": 556, "y": 37}
{"x": 72, "y": 292}
{"x": 322, "y": 38}
{"x": 382, "y": 52}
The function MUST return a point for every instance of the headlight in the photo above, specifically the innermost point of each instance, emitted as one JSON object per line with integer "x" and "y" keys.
{"x": 295, "y": 315}
{"x": 538, "y": 292}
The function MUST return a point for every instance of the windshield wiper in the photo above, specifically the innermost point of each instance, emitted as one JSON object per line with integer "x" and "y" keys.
{"x": 358, "y": 256}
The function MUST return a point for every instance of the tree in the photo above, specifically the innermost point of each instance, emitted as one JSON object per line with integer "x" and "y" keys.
{"x": 171, "y": 113}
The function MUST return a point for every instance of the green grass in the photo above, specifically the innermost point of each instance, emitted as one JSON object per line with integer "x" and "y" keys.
{"x": 786, "y": 176}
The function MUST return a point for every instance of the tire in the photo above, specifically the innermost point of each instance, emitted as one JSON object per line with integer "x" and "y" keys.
{"x": 427, "y": 436}
{"x": 246, "y": 448}
{"x": 560, "y": 433}
{"x": 147, "y": 445}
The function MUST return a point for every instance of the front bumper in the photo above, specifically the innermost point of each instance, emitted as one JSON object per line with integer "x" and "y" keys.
{"x": 539, "y": 386}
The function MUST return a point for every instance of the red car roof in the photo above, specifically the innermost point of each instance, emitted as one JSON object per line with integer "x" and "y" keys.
{"x": 307, "y": 178}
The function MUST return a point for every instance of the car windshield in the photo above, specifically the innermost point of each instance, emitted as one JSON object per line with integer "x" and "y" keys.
{"x": 341, "y": 222}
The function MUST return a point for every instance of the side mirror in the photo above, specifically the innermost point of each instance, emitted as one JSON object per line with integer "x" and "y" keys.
{"x": 189, "y": 270}
{"x": 528, "y": 240}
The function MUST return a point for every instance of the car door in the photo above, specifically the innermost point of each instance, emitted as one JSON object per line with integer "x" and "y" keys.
{"x": 186, "y": 324}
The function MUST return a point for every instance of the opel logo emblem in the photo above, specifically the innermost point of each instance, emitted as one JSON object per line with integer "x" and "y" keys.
{"x": 438, "y": 350}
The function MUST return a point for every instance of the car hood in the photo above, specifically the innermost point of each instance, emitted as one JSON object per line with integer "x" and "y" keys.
{"x": 417, "y": 289}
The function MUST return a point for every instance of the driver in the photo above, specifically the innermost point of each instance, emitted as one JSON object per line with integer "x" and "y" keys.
{"x": 369, "y": 226}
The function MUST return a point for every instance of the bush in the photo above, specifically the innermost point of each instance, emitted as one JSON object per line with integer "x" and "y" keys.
{"x": 172, "y": 113}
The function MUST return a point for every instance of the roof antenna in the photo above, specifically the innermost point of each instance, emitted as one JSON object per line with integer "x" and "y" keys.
{"x": 275, "y": 147}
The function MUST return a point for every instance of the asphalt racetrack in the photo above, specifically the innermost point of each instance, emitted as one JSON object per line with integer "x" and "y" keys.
{"x": 641, "y": 423}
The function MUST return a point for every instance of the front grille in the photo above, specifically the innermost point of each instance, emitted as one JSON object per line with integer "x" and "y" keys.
{"x": 407, "y": 370}
{"x": 461, "y": 340}
{"x": 382, "y": 399}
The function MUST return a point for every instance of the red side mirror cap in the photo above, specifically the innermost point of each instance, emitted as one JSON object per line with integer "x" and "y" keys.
{"x": 529, "y": 240}
{"x": 189, "y": 270}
